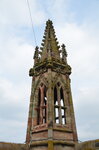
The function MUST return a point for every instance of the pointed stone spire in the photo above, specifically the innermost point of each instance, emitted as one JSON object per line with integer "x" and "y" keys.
{"x": 50, "y": 56}
{"x": 50, "y": 47}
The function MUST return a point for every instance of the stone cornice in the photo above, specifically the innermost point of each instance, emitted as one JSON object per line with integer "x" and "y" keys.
{"x": 53, "y": 65}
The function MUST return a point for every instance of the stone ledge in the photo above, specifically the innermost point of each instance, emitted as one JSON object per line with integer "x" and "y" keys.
{"x": 13, "y": 146}
{"x": 62, "y": 130}
{"x": 88, "y": 145}
{"x": 55, "y": 142}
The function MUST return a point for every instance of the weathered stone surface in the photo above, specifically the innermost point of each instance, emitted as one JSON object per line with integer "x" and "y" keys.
{"x": 13, "y": 146}
{"x": 39, "y": 148}
{"x": 88, "y": 145}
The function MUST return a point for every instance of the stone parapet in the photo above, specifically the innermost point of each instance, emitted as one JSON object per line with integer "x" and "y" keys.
{"x": 88, "y": 145}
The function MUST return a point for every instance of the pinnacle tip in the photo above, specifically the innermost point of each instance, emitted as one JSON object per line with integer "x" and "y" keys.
{"x": 63, "y": 45}
{"x": 36, "y": 48}
{"x": 49, "y": 22}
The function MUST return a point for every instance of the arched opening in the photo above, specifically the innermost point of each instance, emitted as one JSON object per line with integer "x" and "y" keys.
{"x": 56, "y": 106}
{"x": 38, "y": 109}
{"x": 62, "y": 106}
{"x": 61, "y": 97}
{"x": 59, "y": 105}
{"x": 42, "y": 105}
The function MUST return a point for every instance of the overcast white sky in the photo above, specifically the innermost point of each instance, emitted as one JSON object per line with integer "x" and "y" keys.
{"x": 76, "y": 24}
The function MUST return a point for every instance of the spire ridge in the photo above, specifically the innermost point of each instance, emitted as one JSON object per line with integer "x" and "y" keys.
{"x": 50, "y": 39}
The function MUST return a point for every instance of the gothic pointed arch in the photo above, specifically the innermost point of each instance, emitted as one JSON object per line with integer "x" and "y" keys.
{"x": 40, "y": 80}
{"x": 59, "y": 104}
{"x": 40, "y": 107}
{"x": 58, "y": 78}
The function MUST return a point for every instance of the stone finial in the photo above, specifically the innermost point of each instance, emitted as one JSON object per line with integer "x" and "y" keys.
{"x": 49, "y": 23}
{"x": 36, "y": 55}
{"x": 36, "y": 52}
{"x": 64, "y": 53}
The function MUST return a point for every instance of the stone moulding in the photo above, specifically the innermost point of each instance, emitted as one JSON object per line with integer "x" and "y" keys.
{"x": 56, "y": 67}
{"x": 55, "y": 142}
